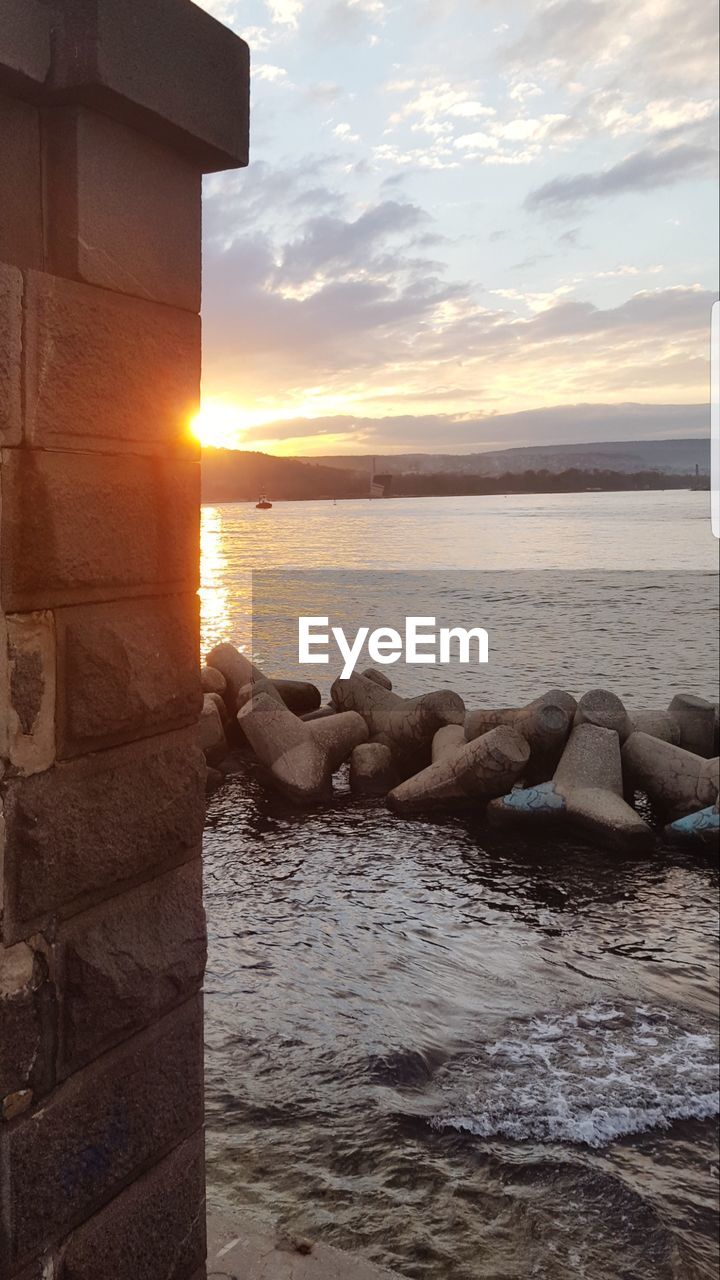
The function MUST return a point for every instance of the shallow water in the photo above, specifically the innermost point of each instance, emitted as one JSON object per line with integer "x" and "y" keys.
{"x": 468, "y": 1056}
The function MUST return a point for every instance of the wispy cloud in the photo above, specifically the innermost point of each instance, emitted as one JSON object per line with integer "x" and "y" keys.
{"x": 645, "y": 170}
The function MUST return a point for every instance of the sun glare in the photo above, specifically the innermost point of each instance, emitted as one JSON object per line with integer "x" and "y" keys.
{"x": 217, "y": 426}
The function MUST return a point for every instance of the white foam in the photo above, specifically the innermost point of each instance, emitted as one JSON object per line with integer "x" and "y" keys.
{"x": 589, "y": 1076}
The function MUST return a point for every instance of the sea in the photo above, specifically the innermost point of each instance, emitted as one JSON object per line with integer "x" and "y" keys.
{"x": 466, "y": 1055}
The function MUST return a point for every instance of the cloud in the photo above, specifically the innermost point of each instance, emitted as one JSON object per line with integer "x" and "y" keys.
{"x": 347, "y": 20}
{"x": 285, "y": 12}
{"x": 437, "y": 433}
{"x": 644, "y": 170}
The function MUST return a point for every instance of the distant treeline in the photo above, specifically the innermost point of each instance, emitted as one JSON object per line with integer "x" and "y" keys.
{"x": 570, "y": 481}
{"x": 236, "y": 476}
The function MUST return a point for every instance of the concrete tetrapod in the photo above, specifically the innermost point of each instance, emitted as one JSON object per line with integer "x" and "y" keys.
{"x": 659, "y": 724}
{"x": 372, "y": 772}
{"x": 702, "y": 827}
{"x": 677, "y": 782}
{"x": 407, "y": 725}
{"x": 212, "y": 732}
{"x": 301, "y": 758}
{"x": 299, "y": 695}
{"x": 545, "y": 724}
{"x": 603, "y": 708}
{"x": 695, "y": 719}
{"x": 586, "y": 793}
{"x": 480, "y": 770}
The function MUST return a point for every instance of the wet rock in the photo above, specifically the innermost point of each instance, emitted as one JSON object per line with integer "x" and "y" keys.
{"x": 695, "y": 719}
{"x": 300, "y": 758}
{"x": 586, "y": 794}
{"x": 604, "y": 709}
{"x": 372, "y": 771}
{"x": 481, "y": 770}
{"x": 677, "y": 781}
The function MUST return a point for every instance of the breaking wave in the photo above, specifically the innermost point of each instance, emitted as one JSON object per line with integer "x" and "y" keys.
{"x": 584, "y": 1077}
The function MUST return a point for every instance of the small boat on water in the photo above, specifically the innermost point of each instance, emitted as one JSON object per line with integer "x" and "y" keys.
{"x": 263, "y": 504}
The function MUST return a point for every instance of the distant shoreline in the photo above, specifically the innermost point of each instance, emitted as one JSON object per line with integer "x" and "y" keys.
{"x": 662, "y": 484}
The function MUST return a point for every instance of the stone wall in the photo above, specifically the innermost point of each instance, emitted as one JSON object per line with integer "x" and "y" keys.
{"x": 110, "y": 111}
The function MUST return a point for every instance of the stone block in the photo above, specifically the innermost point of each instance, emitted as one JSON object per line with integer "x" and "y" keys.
{"x": 167, "y": 69}
{"x": 10, "y": 350}
{"x": 106, "y": 372}
{"x": 154, "y": 1228}
{"x": 125, "y": 211}
{"x": 103, "y": 1127}
{"x": 21, "y": 224}
{"x": 78, "y": 527}
{"x": 127, "y": 670}
{"x": 31, "y": 684}
{"x": 125, "y": 964}
{"x": 20, "y": 1025}
{"x": 24, "y": 44}
{"x": 85, "y": 830}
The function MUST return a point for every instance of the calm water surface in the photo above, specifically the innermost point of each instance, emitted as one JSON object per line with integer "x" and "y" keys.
{"x": 467, "y": 1056}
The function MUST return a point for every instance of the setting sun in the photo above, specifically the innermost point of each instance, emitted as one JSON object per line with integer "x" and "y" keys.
{"x": 217, "y": 426}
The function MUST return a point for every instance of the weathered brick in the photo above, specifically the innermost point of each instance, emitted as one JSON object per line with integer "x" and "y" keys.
{"x": 167, "y": 68}
{"x": 125, "y": 964}
{"x": 89, "y": 828}
{"x": 154, "y": 1229}
{"x": 125, "y": 210}
{"x": 108, "y": 372}
{"x": 24, "y": 44}
{"x": 21, "y": 227}
{"x": 10, "y": 349}
{"x": 126, "y": 670}
{"x": 31, "y": 689}
{"x": 104, "y": 1126}
{"x": 78, "y": 527}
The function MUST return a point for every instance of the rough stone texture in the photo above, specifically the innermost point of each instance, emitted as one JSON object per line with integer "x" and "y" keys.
{"x": 126, "y": 671}
{"x": 78, "y": 527}
{"x": 154, "y": 1229}
{"x": 24, "y": 43}
{"x": 125, "y": 964}
{"x": 21, "y": 227}
{"x": 126, "y": 210}
{"x": 20, "y": 1026}
{"x": 93, "y": 826}
{"x": 102, "y": 1127}
{"x": 31, "y": 687}
{"x": 106, "y": 372}
{"x": 246, "y": 1249}
{"x": 191, "y": 91}
{"x": 10, "y": 346}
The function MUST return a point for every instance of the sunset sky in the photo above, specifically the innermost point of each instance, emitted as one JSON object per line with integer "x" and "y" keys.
{"x": 466, "y": 224}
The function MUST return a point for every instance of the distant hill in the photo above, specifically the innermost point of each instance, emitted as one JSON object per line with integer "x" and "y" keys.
{"x": 671, "y": 457}
{"x": 232, "y": 475}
